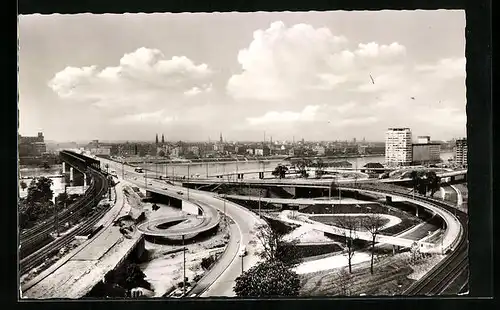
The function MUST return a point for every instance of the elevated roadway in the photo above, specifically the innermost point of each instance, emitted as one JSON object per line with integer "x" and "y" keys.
{"x": 453, "y": 231}
{"x": 310, "y": 182}
{"x": 221, "y": 277}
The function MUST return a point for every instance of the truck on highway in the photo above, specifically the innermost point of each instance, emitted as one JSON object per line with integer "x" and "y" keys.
{"x": 139, "y": 170}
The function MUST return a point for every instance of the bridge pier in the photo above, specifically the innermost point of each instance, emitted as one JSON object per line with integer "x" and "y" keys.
{"x": 71, "y": 176}
{"x": 63, "y": 167}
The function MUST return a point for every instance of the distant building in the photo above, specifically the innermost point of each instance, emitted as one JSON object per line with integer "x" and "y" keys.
{"x": 320, "y": 150}
{"x": 362, "y": 149}
{"x": 368, "y": 168}
{"x": 250, "y": 151}
{"x": 424, "y": 139}
{"x": 398, "y": 147}
{"x": 175, "y": 152}
{"x": 101, "y": 151}
{"x": 264, "y": 151}
{"x": 195, "y": 150}
{"x": 460, "y": 152}
{"x": 31, "y": 146}
{"x": 424, "y": 153}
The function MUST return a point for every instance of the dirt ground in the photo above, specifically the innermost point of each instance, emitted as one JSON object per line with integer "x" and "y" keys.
{"x": 393, "y": 274}
{"x": 164, "y": 269}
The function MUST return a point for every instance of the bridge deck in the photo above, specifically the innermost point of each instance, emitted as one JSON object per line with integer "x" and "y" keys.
{"x": 363, "y": 235}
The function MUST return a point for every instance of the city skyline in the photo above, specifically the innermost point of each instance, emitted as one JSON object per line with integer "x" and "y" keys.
{"x": 320, "y": 76}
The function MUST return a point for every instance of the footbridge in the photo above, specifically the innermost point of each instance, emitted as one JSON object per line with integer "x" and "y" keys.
{"x": 362, "y": 235}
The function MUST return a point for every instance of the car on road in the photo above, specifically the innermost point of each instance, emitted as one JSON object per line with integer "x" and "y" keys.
{"x": 178, "y": 293}
{"x": 180, "y": 193}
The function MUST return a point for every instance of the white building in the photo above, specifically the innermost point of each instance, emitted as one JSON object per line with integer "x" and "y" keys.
{"x": 101, "y": 151}
{"x": 398, "y": 147}
{"x": 460, "y": 152}
{"x": 320, "y": 150}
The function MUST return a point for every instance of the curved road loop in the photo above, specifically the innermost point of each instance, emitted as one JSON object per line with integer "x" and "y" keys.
{"x": 229, "y": 266}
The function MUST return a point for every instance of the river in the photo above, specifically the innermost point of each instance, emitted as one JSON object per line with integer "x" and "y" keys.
{"x": 202, "y": 169}
{"x": 28, "y": 174}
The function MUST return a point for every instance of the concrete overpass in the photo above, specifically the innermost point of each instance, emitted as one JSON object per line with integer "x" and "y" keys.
{"x": 310, "y": 182}
{"x": 451, "y": 175}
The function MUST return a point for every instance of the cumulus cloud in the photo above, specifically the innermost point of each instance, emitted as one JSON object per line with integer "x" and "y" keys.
{"x": 198, "y": 90}
{"x": 147, "y": 117}
{"x": 282, "y": 62}
{"x": 307, "y": 114}
{"x": 141, "y": 77}
{"x": 446, "y": 68}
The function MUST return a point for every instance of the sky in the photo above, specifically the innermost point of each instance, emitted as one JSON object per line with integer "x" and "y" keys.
{"x": 320, "y": 76}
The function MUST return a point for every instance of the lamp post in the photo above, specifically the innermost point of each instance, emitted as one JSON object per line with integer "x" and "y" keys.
{"x": 260, "y": 195}
{"x": 56, "y": 220}
{"x": 146, "y": 176}
{"x": 242, "y": 256}
{"x": 188, "y": 183}
{"x": 225, "y": 223}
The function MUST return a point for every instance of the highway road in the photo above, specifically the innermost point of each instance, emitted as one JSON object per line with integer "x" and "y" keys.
{"x": 229, "y": 266}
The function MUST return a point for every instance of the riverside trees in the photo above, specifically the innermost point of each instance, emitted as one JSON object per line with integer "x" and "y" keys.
{"x": 38, "y": 202}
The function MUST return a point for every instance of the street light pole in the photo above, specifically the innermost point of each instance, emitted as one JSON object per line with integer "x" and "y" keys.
{"x": 146, "y": 177}
{"x": 188, "y": 183}
{"x": 259, "y": 201}
{"x": 242, "y": 256}
{"x": 225, "y": 223}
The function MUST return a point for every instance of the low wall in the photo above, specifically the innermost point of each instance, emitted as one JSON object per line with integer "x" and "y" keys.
{"x": 190, "y": 208}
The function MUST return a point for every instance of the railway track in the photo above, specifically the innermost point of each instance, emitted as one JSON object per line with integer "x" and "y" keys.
{"x": 34, "y": 254}
{"x": 34, "y": 238}
{"x": 47, "y": 251}
{"x": 444, "y": 276}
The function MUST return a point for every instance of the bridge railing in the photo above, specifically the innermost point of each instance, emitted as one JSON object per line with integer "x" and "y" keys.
{"x": 432, "y": 201}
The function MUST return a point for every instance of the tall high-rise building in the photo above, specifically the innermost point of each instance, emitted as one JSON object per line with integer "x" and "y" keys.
{"x": 398, "y": 147}
{"x": 461, "y": 152}
{"x": 221, "y": 141}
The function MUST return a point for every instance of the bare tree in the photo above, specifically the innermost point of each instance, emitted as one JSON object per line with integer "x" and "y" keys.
{"x": 275, "y": 247}
{"x": 373, "y": 222}
{"x": 350, "y": 225}
{"x": 344, "y": 282}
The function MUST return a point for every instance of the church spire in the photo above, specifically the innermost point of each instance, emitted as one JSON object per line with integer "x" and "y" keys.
{"x": 156, "y": 138}
{"x": 162, "y": 139}
{"x": 221, "y": 138}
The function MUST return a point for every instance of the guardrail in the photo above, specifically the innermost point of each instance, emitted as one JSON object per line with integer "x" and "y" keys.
{"x": 417, "y": 197}
{"x": 437, "y": 279}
